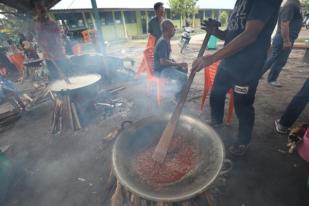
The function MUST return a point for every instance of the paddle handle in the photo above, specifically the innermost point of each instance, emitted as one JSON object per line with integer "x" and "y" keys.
{"x": 168, "y": 133}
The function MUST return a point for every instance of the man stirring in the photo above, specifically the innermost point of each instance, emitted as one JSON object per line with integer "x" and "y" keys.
{"x": 247, "y": 40}
{"x": 154, "y": 27}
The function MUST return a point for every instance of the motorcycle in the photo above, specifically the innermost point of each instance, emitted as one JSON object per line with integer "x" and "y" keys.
{"x": 185, "y": 38}
{"x": 306, "y": 21}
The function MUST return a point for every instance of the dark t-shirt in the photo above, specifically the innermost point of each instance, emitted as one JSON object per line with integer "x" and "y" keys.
{"x": 162, "y": 51}
{"x": 291, "y": 12}
{"x": 154, "y": 27}
{"x": 246, "y": 65}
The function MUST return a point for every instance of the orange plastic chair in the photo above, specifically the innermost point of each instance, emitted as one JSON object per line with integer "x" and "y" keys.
{"x": 3, "y": 72}
{"x": 77, "y": 49}
{"x": 209, "y": 77}
{"x": 18, "y": 60}
{"x": 151, "y": 43}
{"x": 151, "y": 78}
{"x": 86, "y": 36}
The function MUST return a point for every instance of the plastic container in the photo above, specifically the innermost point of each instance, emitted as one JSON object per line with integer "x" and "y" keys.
{"x": 212, "y": 43}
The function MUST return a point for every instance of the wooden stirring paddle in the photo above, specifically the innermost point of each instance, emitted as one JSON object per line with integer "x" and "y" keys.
{"x": 168, "y": 133}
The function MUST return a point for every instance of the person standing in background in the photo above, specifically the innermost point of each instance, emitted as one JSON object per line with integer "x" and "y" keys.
{"x": 293, "y": 110}
{"x": 154, "y": 25}
{"x": 289, "y": 25}
{"x": 50, "y": 40}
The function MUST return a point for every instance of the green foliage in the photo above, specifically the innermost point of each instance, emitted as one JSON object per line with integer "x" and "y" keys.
{"x": 183, "y": 8}
{"x": 305, "y": 5}
{"x": 223, "y": 18}
{"x": 11, "y": 21}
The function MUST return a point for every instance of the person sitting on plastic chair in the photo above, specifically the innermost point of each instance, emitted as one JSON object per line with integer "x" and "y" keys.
{"x": 8, "y": 92}
{"x": 164, "y": 66}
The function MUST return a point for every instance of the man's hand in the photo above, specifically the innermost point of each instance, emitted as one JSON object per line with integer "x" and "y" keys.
{"x": 202, "y": 62}
{"x": 287, "y": 45}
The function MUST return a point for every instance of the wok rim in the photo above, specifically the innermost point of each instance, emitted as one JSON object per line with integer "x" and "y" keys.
{"x": 67, "y": 90}
{"x": 178, "y": 198}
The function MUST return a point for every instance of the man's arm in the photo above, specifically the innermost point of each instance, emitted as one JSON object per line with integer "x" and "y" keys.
{"x": 247, "y": 37}
{"x": 220, "y": 34}
{"x": 285, "y": 32}
{"x": 286, "y": 15}
{"x": 168, "y": 62}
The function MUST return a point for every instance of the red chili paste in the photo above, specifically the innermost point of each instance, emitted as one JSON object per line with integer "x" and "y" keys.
{"x": 179, "y": 161}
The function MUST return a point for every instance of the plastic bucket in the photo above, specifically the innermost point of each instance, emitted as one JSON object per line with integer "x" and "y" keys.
{"x": 212, "y": 43}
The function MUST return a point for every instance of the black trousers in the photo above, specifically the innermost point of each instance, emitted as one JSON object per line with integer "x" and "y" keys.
{"x": 244, "y": 95}
{"x": 296, "y": 106}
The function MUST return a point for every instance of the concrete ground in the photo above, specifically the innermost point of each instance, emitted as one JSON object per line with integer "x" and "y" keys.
{"x": 72, "y": 168}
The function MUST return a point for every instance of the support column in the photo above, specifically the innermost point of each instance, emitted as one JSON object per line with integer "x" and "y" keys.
{"x": 85, "y": 19}
{"x": 98, "y": 26}
{"x": 124, "y": 25}
{"x": 147, "y": 20}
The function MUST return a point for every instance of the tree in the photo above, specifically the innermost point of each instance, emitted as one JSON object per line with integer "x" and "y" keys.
{"x": 223, "y": 17}
{"x": 11, "y": 20}
{"x": 305, "y": 5}
{"x": 183, "y": 8}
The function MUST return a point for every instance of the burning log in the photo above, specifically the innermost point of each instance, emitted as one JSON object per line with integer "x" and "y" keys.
{"x": 117, "y": 198}
{"x": 136, "y": 201}
{"x": 75, "y": 117}
{"x": 69, "y": 111}
{"x": 64, "y": 106}
{"x": 57, "y": 116}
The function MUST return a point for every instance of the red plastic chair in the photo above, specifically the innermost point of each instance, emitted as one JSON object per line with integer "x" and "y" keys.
{"x": 77, "y": 50}
{"x": 86, "y": 36}
{"x": 151, "y": 78}
{"x": 3, "y": 71}
{"x": 18, "y": 59}
{"x": 209, "y": 76}
{"x": 151, "y": 43}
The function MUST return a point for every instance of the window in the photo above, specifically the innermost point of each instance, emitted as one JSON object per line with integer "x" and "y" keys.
{"x": 175, "y": 17}
{"x": 73, "y": 20}
{"x": 118, "y": 19}
{"x": 89, "y": 20}
{"x": 106, "y": 18}
{"x": 208, "y": 13}
{"x": 151, "y": 14}
{"x": 130, "y": 17}
{"x": 199, "y": 15}
{"x": 168, "y": 13}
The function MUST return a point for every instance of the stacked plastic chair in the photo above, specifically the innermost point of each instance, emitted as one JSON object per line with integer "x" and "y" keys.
{"x": 209, "y": 77}
{"x": 146, "y": 66}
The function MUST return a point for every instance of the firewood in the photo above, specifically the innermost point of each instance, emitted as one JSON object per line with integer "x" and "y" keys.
{"x": 160, "y": 203}
{"x": 136, "y": 201}
{"x": 210, "y": 199}
{"x": 186, "y": 203}
{"x": 69, "y": 111}
{"x": 76, "y": 117}
{"x": 112, "y": 135}
{"x": 127, "y": 197}
{"x": 52, "y": 95}
{"x": 144, "y": 202}
{"x": 111, "y": 181}
{"x": 117, "y": 198}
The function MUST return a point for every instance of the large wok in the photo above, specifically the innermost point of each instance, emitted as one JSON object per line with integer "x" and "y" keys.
{"x": 77, "y": 83}
{"x": 146, "y": 132}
